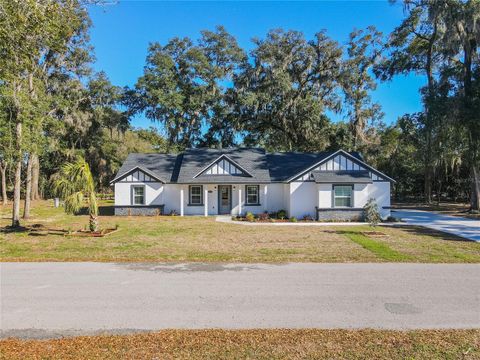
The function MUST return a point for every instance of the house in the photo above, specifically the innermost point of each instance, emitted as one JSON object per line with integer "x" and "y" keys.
{"x": 325, "y": 185}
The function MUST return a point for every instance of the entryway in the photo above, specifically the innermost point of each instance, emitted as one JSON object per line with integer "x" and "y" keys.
{"x": 224, "y": 199}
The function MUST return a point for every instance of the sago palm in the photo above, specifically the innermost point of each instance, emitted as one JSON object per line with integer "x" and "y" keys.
{"x": 73, "y": 184}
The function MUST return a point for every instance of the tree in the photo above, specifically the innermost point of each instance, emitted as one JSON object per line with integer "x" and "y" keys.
{"x": 283, "y": 93}
{"x": 413, "y": 47}
{"x": 460, "y": 43}
{"x": 35, "y": 37}
{"x": 364, "y": 51}
{"x": 74, "y": 184}
{"x": 181, "y": 87}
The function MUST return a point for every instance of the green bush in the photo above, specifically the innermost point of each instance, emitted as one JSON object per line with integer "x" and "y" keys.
{"x": 293, "y": 219}
{"x": 250, "y": 217}
{"x": 372, "y": 214}
{"x": 281, "y": 214}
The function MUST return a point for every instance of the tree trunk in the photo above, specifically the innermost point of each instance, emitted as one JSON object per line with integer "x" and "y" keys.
{"x": 18, "y": 177}
{"x": 93, "y": 223}
{"x": 35, "y": 177}
{"x": 3, "y": 174}
{"x": 475, "y": 198}
{"x": 28, "y": 188}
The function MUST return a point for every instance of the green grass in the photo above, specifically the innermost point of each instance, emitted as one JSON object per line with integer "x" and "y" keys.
{"x": 379, "y": 248}
{"x": 185, "y": 239}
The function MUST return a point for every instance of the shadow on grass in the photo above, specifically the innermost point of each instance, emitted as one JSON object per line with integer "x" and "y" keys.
{"x": 438, "y": 235}
{"x": 103, "y": 210}
{"x": 33, "y": 230}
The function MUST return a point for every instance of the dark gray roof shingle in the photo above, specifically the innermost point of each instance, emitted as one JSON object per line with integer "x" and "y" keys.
{"x": 261, "y": 167}
{"x": 362, "y": 177}
{"x": 252, "y": 160}
{"x": 161, "y": 165}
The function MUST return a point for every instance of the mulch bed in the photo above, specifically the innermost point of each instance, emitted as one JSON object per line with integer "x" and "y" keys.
{"x": 85, "y": 233}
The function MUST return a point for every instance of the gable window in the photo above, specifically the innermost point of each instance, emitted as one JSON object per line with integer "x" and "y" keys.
{"x": 252, "y": 194}
{"x": 342, "y": 196}
{"x": 196, "y": 195}
{"x": 138, "y": 194}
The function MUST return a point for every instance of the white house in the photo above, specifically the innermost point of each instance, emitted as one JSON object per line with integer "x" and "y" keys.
{"x": 326, "y": 185}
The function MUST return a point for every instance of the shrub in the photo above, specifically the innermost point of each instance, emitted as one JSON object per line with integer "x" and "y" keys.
{"x": 307, "y": 217}
{"x": 372, "y": 214}
{"x": 173, "y": 212}
{"x": 263, "y": 216}
{"x": 281, "y": 214}
{"x": 250, "y": 217}
{"x": 293, "y": 219}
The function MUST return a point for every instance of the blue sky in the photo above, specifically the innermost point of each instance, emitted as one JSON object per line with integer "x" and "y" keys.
{"x": 121, "y": 33}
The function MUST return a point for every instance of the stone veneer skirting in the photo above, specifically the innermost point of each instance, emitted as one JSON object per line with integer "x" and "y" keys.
{"x": 150, "y": 210}
{"x": 338, "y": 214}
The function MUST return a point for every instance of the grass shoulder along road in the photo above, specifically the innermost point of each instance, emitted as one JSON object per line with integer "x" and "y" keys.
{"x": 255, "y": 344}
{"x": 200, "y": 239}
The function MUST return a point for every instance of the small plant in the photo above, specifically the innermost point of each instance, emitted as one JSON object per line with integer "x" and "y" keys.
{"x": 307, "y": 217}
{"x": 250, "y": 217}
{"x": 293, "y": 219}
{"x": 117, "y": 226}
{"x": 281, "y": 214}
{"x": 263, "y": 216}
{"x": 372, "y": 215}
{"x": 173, "y": 212}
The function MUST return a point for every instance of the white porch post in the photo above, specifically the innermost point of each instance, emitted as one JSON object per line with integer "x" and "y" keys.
{"x": 181, "y": 200}
{"x": 205, "y": 201}
{"x": 265, "y": 201}
{"x": 239, "y": 200}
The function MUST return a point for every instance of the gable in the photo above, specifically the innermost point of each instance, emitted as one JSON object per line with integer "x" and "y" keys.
{"x": 137, "y": 175}
{"x": 342, "y": 161}
{"x": 224, "y": 166}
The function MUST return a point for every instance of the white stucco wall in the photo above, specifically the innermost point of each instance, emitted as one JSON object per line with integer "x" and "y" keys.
{"x": 153, "y": 193}
{"x": 303, "y": 199}
{"x": 380, "y": 191}
{"x": 324, "y": 195}
{"x": 297, "y": 198}
{"x": 276, "y": 198}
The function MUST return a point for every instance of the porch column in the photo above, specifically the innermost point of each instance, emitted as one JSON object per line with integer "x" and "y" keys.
{"x": 239, "y": 200}
{"x": 205, "y": 201}
{"x": 265, "y": 201}
{"x": 181, "y": 200}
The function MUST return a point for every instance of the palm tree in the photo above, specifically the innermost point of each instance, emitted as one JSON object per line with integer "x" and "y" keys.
{"x": 73, "y": 184}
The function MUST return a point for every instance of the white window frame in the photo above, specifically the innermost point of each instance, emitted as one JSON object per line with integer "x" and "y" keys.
{"x": 134, "y": 195}
{"x": 257, "y": 189}
{"x": 334, "y": 197}
{"x": 190, "y": 195}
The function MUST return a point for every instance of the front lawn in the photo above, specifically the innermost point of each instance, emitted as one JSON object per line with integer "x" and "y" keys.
{"x": 255, "y": 344}
{"x": 180, "y": 239}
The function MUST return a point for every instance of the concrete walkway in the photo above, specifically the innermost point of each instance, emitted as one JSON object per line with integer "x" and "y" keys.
{"x": 58, "y": 299}
{"x": 466, "y": 228}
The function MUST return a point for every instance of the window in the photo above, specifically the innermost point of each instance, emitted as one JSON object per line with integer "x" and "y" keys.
{"x": 252, "y": 195}
{"x": 342, "y": 196}
{"x": 196, "y": 197}
{"x": 138, "y": 195}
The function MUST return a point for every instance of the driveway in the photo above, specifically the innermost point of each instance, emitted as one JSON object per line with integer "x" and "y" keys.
{"x": 56, "y": 299}
{"x": 466, "y": 228}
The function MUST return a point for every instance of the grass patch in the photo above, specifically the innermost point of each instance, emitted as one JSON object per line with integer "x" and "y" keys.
{"x": 200, "y": 239}
{"x": 377, "y": 247}
{"x": 255, "y": 344}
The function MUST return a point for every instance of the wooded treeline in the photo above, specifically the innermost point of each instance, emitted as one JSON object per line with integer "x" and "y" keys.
{"x": 210, "y": 92}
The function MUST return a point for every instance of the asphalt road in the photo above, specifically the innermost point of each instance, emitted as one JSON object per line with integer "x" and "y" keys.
{"x": 58, "y": 299}
{"x": 463, "y": 227}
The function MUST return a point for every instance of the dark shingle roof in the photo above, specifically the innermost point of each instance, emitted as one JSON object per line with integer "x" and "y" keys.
{"x": 252, "y": 160}
{"x": 285, "y": 165}
{"x": 160, "y": 165}
{"x": 259, "y": 166}
{"x": 329, "y": 177}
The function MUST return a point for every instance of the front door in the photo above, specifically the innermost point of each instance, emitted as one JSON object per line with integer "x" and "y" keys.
{"x": 224, "y": 199}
